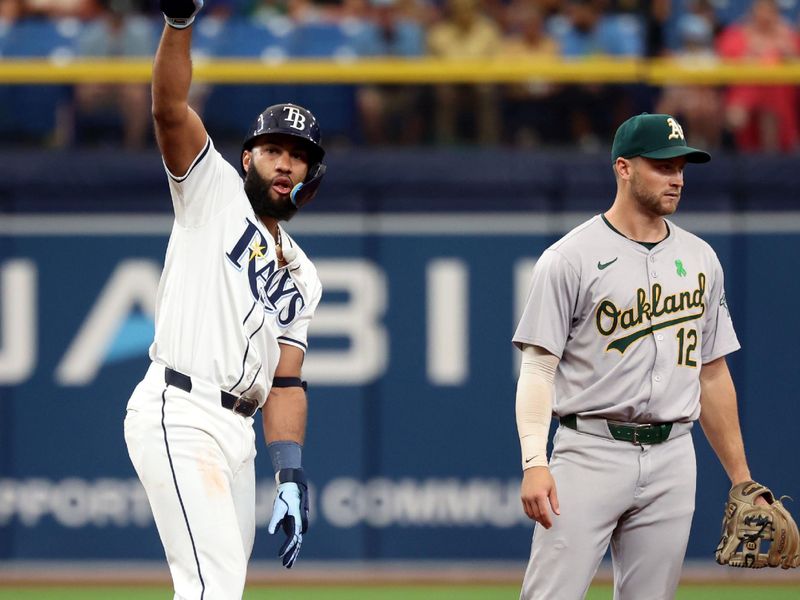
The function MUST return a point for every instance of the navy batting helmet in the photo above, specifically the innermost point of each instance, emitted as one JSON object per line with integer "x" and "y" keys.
{"x": 290, "y": 119}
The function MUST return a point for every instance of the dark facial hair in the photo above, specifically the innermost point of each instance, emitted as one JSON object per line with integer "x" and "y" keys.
{"x": 259, "y": 192}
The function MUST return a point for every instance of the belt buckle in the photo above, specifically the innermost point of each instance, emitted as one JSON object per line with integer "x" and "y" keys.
{"x": 242, "y": 405}
{"x": 636, "y": 429}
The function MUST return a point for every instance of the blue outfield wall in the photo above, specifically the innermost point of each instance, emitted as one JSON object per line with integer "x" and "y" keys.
{"x": 412, "y": 448}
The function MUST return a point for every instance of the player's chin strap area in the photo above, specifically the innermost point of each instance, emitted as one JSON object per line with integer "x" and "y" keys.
{"x": 304, "y": 192}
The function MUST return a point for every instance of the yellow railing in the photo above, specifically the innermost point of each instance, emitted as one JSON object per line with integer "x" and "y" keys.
{"x": 426, "y": 70}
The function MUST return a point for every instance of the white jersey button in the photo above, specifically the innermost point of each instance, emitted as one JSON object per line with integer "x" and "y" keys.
{"x": 659, "y": 337}
{"x": 654, "y": 274}
{"x": 652, "y": 259}
{"x": 657, "y": 377}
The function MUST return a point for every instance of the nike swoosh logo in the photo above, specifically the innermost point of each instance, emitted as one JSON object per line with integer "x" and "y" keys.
{"x": 602, "y": 266}
{"x": 527, "y": 460}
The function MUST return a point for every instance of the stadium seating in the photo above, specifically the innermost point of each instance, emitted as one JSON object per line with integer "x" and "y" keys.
{"x": 40, "y": 38}
{"x": 615, "y": 35}
{"x": 408, "y": 40}
{"x": 726, "y": 11}
{"x": 229, "y": 107}
{"x": 29, "y": 112}
{"x": 334, "y": 105}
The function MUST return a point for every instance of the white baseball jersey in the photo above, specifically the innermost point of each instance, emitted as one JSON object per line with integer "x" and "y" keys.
{"x": 223, "y": 302}
{"x": 631, "y": 326}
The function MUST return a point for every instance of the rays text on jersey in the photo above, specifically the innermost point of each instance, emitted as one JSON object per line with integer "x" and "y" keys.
{"x": 271, "y": 286}
{"x": 609, "y": 319}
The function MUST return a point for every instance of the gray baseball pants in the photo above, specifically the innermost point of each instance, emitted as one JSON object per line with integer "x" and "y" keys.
{"x": 638, "y": 498}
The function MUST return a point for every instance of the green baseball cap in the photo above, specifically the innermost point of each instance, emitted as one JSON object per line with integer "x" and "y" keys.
{"x": 654, "y": 136}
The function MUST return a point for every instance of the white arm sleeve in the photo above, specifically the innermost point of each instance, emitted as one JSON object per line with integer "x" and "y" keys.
{"x": 535, "y": 404}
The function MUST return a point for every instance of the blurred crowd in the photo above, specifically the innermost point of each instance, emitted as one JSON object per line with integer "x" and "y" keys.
{"x": 760, "y": 118}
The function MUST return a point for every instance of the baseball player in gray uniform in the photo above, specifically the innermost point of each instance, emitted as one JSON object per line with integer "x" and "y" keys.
{"x": 234, "y": 303}
{"x": 623, "y": 339}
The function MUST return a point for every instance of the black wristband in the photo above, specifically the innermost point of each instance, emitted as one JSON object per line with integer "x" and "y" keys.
{"x": 297, "y": 476}
{"x": 284, "y": 382}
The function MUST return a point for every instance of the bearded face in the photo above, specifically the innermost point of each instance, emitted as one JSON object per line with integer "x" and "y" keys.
{"x": 652, "y": 191}
{"x": 265, "y": 198}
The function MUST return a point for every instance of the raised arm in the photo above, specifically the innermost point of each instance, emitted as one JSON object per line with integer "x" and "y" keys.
{"x": 179, "y": 131}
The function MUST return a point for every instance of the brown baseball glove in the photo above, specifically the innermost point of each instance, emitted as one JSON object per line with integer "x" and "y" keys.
{"x": 756, "y": 536}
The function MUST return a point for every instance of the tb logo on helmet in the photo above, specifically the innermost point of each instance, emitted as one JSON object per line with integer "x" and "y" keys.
{"x": 677, "y": 130}
{"x": 295, "y": 117}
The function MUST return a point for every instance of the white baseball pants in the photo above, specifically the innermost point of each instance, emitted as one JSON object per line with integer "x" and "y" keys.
{"x": 196, "y": 462}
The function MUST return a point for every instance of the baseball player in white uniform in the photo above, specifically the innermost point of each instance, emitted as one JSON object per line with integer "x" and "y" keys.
{"x": 624, "y": 337}
{"x": 234, "y": 304}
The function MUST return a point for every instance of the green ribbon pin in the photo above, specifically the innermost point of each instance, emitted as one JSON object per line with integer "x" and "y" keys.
{"x": 680, "y": 270}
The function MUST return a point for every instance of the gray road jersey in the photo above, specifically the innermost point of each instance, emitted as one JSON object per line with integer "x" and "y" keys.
{"x": 631, "y": 326}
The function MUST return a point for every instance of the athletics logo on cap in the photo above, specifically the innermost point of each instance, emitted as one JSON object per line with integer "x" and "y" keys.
{"x": 643, "y": 135}
{"x": 296, "y": 119}
{"x": 677, "y": 130}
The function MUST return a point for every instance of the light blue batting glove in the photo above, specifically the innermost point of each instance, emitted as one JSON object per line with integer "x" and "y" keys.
{"x": 290, "y": 512}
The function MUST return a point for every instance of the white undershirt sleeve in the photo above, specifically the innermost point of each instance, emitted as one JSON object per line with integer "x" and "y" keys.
{"x": 534, "y": 404}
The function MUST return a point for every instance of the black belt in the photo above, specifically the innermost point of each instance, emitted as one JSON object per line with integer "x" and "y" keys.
{"x": 635, "y": 434}
{"x": 238, "y": 404}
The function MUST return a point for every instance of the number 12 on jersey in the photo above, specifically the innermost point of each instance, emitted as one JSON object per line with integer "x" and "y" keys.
{"x": 687, "y": 342}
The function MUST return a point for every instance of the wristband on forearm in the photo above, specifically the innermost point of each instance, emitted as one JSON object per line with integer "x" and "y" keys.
{"x": 285, "y": 454}
{"x": 297, "y": 476}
